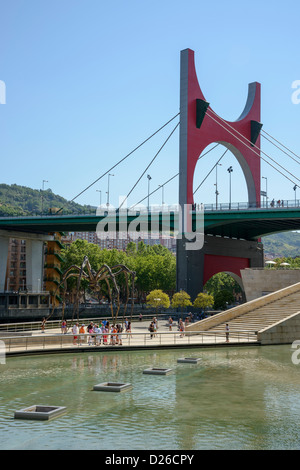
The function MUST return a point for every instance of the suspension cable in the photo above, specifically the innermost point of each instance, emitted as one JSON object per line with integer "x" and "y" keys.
{"x": 210, "y": 172}
{"x": 154, "y": 191}
{"x": 252, "y": 149}
{"x": 124, "y": 158}
{"x": 281, "y": 149}
{"x": 166, "y": 182}
{"x": 148, "y": 166}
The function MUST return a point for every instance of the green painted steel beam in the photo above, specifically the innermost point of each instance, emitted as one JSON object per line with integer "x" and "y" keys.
{"x": 248, "y": 224}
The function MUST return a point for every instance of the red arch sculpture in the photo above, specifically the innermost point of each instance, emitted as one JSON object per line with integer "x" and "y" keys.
{"x": 200, "y": 126}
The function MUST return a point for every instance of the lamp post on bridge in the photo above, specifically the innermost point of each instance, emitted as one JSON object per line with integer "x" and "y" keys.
{"x": 295, "y": 189}
{"x": 217, "y": 192}
{"x": 44, "y": 181}
{"x": 107, "y": 203}
{"x": 230, "y": 170}
{"x": 99, "y": 191}
{"x": 265, "y": 178}
{"x": 162, "y": 193}
{"x": 149, "y": 178}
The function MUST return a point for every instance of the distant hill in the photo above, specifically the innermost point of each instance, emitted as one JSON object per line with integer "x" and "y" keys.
{"x": 284, "y": 244}
{"x": 21, "y": 200}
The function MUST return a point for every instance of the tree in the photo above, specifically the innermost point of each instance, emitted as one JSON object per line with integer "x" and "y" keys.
{"x": 181, "y": 299}
{"x": 203, "y": 301}
{"x": 157, "y": 299}
{"x": 222, "y": 281}
{"x": 222, "y": 299}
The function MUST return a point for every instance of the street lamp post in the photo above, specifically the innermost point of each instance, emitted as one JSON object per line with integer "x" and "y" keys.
{"x": 162, "y": 193}
{"x": 264, "y": 178}
{"x": 217, "y": 192}
{"x": 44, "y": 181}
{"x": 99, "y": 191}
{"x": 295, "y": 189}
{"x": 149, "y": 178}
{"x": 230, "y": 170}
{"x": 107, "y": 203}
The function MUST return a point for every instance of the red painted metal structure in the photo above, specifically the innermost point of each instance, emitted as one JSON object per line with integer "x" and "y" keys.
{"x": 234, "y": 135}
{"x": 200, "y": 126}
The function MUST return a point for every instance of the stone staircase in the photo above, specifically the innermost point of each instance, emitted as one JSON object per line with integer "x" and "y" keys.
{"x": 255, "y": 316}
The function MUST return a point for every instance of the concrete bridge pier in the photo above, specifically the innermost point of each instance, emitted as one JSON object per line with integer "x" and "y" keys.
{"x": 195, "y": 268}
{"x": 4, "y": 242}
{"x": 34, "y": 265}
{"x": 34, "y": 257}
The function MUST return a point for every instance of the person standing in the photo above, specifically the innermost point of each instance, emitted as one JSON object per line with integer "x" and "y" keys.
{"x": 82, "y": 333}
{"x": 227, "y": 332}
{"x": 43, "y": 325}
{"x": 63, "y": 327}
{"x": 75, "y": 331}
{"x": 151, "y": 329}
{"x": 119, "y": 331}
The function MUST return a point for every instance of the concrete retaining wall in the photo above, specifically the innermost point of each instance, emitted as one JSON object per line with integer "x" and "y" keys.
{"x": 259, "y": 282}
{"x": 284, "y": 332}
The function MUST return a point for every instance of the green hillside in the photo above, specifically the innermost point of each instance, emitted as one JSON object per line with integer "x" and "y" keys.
{"x": 21, "y": 200}
{"x": 285, "y": 244}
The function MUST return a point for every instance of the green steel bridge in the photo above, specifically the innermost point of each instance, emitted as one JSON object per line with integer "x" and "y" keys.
{"x": 247, "y": 224}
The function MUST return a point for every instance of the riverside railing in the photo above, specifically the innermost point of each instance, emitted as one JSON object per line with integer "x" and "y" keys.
{"x": 101, "y": 341}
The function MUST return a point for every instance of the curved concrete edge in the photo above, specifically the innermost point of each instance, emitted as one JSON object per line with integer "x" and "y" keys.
{"x": 235, "y": 312}
{"x": 40, "y": 352}
{"x": 283, "y": 332}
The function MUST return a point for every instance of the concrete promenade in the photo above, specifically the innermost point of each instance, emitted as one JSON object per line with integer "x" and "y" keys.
{"x": 53, "y": 341}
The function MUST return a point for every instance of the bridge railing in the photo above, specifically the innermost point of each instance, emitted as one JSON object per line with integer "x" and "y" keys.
{"x": 166, "y": 208}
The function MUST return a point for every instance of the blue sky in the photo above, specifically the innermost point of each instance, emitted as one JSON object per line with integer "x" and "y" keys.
{"x": 88, "y": 81}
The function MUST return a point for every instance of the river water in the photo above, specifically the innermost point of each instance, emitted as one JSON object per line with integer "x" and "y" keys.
{"x": 234, "y": 398}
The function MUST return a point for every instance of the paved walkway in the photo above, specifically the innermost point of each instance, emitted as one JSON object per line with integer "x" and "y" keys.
{"x": 52, "y": 340}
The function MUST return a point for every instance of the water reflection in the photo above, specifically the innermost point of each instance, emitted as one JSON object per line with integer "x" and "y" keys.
{"x": 236, "y": 398}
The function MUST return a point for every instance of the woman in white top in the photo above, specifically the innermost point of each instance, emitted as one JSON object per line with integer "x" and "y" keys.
{"x": 75, "y": 331}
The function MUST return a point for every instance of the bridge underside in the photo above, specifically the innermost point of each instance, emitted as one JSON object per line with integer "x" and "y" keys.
{"x": 195, "y": 268}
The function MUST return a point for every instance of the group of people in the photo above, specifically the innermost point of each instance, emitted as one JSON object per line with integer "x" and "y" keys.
{"x": 279, "y": 203}
{"x": 153, "y": 327}
{"x": 99, "y": 333}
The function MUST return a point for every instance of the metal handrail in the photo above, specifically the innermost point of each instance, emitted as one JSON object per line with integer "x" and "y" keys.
{"x": 165, "y": 208}
{"x": 167, "y": 338}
